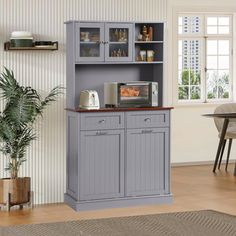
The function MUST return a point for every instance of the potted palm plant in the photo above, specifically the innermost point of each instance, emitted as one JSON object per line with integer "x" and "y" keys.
{"x": 22, "y": 105}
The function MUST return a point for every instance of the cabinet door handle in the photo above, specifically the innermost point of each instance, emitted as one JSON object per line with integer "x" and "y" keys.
{"x": 101, "y": 133}
{"x": 147, "y": 119}
{"x": 145, "y": 131}
{"x": 101, "y": 121}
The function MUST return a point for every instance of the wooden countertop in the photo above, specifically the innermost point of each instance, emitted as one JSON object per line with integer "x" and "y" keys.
{"x": 121, "y": 109}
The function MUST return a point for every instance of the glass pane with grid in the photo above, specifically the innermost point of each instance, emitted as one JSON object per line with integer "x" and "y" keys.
{"x": 218, "y": 68}
{"x": 218, "y": 25}
{"x": 189, "y": 25}
{"x": 189, "y": 67}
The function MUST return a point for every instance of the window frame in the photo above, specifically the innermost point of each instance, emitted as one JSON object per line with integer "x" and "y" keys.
{"x": 203, "y": 37}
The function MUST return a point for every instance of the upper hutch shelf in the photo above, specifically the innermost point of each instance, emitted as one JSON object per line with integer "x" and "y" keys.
{"x": 100, "y": 52}
{"x": 121, "y": 42}
{"x": 7, "y": 47}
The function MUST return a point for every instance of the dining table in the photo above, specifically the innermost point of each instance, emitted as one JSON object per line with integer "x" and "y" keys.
{"x": 226, "y": 117}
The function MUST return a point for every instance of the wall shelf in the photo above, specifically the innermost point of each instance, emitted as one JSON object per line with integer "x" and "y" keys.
{"x": 7, "y": 47}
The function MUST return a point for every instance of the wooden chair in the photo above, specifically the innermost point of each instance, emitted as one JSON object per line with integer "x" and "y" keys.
{"x": 231, "y": 131}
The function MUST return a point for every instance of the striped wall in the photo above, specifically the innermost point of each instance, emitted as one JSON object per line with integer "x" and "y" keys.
{"x": 44, "y": 70}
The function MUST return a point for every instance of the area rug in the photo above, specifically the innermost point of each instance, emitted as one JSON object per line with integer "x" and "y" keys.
{"x": 195, "y": 223}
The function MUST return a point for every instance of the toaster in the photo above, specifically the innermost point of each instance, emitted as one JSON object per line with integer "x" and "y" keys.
{"x": 89, "y": 100}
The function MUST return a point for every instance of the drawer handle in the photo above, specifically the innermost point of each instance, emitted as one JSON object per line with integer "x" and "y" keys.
{"x": 101, "y": 133}
{"x": 101, "y": 121}
{"x": 147, "y": 119}
{"x": 146, "y": 131}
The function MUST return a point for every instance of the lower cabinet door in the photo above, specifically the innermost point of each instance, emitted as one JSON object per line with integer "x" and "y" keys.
{"x": 147, "y": 161}
{"x": 101, "y": 164}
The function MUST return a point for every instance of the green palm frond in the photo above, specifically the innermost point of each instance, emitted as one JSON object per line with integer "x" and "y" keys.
{"x": 8, "y": 84}
{"x": 52, "y": 96}
{"x": 22, "y": 106}
{"x": 7, "y": 133}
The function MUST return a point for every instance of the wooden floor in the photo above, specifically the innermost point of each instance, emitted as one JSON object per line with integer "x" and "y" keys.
{"x": 194, "y": 188}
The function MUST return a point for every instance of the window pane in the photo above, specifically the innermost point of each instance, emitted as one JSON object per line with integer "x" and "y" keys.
{"x": 223, "y": 20}
{"x": 211, "y": 47}
{"x": 211, "y": 20}
{"x": 212, "y": 29}
{"x": 180, "y": 20}
{"x": 196, "y": 79}
{"x": 224, "y": 74}
{"x": 180, "y": 64}
{"x": 212, "y": 62}
{"x": 183, "y": 93}
{"x": 180, "y": 49}
{"x": 185, "y": 77}
{"x": 223, "y": 47}
{"x": 180, "y": 29}
{"x": 195, "y": 26}
{"x": 180, "y": 77}
{"x": 223, "y": 30}
{"x": 189, "y": 24}
{"x": 195, "y": 92}
{"x": 189, "y": 77}
{"x": 212, "y": 78}
{"x": 223, "y": 84}
{"x": 223, "y": 62}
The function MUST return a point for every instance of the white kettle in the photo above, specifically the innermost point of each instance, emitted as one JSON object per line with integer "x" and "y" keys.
{"x": 89, "y": 100}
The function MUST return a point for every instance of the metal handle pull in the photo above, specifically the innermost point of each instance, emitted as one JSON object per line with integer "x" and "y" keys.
{"x": 147, "y": 119}
{"x": 101, "y": 133}
{"x": 101, "y": 121}
{"x": 145, "y": 131}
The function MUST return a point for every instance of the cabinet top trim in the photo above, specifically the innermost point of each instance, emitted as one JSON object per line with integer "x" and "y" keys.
{"x": 122, "y": 109}
{"x": 123, "y": 22}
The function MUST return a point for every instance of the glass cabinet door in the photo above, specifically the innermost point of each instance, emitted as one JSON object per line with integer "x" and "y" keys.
{"x": 90, "y": 41}
{"x": 118, "y": 42}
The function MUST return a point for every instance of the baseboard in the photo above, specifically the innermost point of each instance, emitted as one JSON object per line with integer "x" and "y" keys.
{"x": 198, "y": 163}
{"x": 117, "y": 202}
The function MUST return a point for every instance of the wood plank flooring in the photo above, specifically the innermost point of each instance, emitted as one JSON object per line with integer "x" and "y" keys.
{"x": 194, "y": 188}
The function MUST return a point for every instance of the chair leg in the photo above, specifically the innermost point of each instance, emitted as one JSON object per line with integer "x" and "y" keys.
{"x": 221, "y": 154}
{"x": 228, "y": 154}
{"x": 221, "y": 141}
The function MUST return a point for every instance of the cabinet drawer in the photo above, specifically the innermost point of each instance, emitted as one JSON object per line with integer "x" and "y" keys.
{"x": 102, "y": 120}
{"x": 148, "y": 119}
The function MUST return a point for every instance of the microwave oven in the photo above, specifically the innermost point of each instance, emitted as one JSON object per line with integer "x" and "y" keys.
{"x": 131, "y": 94}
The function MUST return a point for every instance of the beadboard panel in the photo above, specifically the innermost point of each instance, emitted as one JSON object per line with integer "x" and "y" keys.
{"x": 43, "y": 70}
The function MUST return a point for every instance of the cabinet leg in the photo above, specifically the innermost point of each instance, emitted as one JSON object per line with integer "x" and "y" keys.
{"x": 9, "y": 202}
{"x": 21, "y": 207}
{"x": 31, "y": 199}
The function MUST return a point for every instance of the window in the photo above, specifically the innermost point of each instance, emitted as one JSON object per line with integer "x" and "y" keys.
{"x": 204, "y": 57}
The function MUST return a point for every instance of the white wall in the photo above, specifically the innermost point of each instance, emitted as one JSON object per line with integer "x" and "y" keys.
{"x": 194, "y": 138}
{"x": 43, "y": 70}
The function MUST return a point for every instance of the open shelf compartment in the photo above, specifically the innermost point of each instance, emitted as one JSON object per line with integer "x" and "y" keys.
{"x": 53, "y": 47}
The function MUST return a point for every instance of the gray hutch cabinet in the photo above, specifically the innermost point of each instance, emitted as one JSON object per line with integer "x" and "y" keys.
{"x": 118, "y": 156}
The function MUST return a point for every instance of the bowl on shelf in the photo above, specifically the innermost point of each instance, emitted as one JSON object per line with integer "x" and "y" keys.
{"x": 21, "y": 42}
{"x": 21, "y": 34}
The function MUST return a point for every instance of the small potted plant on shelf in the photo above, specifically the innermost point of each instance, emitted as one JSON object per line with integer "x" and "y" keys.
{"x": 22, "y": 105}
